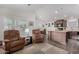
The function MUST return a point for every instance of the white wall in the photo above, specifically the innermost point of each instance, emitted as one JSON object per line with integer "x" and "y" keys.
{"x": 2, "y": 16}
{"x": 1, "y": 27}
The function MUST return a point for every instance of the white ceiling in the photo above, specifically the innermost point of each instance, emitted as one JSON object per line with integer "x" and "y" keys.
{"x": 43, "y": 11}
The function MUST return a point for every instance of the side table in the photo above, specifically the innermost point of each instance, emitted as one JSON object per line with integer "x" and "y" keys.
{"x": 27, "y": 41}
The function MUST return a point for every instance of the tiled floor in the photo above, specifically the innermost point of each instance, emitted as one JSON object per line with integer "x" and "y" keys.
{"x": 41, "y": 48}
{"x": 2, "y": 51}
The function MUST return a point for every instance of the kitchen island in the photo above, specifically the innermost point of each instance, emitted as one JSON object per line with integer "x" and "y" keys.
{"x": 61, "y": 36}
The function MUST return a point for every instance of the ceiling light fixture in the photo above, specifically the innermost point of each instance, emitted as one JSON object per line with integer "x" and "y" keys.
{"x": 56, "y": 12}
{"x": 28, "y": 4}
{"x": 71, "y": 17}
{"x": 65, "y": 15}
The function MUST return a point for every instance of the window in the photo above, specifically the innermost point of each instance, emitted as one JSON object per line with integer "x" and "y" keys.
{"x": 20, "y": 25}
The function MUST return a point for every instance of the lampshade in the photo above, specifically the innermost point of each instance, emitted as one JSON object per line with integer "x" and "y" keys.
{"x": 26, "y": 30}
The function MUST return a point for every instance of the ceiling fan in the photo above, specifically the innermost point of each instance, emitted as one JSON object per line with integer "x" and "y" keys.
{"x": 28, "y": 4}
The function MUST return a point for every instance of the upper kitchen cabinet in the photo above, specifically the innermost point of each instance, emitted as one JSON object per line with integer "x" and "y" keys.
{"x": 60, "y": 24}
{"x": 73, "y": 24}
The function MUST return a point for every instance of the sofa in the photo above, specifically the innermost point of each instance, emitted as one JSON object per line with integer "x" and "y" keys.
{"x": 13, "y": 41}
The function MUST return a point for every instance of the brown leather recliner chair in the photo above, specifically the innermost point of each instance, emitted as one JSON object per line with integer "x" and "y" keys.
{"x": 37, "y": 36}
{"x": 13, "y": 41}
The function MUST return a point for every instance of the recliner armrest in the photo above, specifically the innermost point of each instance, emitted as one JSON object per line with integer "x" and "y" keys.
{"x": 6, "y": 40}
{"x": 22, "y": 38}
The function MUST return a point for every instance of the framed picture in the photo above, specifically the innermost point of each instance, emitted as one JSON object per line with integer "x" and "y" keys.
{"x": 43, "y": 25}
{"x": 31, "y": 23}
{"x": 52, "y": 23}
{"x": 48, "y": 24}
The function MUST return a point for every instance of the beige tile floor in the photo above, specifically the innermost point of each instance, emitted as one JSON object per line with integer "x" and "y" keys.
{"x": 41, "y": 48}
{"x": 2, "y": 51}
